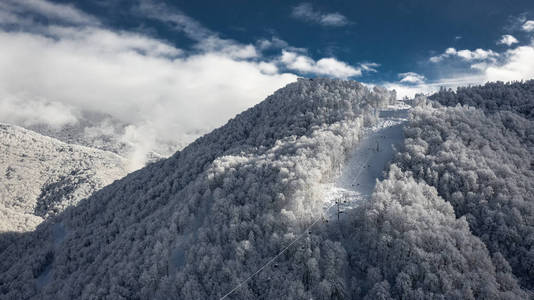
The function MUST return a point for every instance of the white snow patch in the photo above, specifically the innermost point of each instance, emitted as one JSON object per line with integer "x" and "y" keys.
{"x": 367, "y": 161}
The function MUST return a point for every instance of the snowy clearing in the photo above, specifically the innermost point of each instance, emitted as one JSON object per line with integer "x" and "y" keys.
{"x": 367, "y": 161}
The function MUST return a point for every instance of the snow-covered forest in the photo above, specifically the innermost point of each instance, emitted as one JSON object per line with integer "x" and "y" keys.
{"x": 41, "y": 176}
{"x": 242, "y": 212}
{"x": 493, "y": 97}
{"x": 480, "y": 158}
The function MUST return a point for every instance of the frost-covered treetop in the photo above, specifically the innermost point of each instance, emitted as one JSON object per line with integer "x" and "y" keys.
{"x": 517, "y": 97}
{"x": 296, "y": 109}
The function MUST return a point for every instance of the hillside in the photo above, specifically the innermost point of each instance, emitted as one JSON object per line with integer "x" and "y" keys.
{"x": 41, "y": 176}
{"x": 480, "y": 158}
{"x": 244, "y": 212}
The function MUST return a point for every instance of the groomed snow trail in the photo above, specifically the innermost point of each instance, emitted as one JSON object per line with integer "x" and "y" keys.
{"x": 367, "y": 161}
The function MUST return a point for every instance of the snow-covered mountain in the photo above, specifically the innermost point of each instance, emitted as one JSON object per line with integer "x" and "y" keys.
{"x": 91, "y": 129}
{"x": 41, "y": 176}
{"x": 104, "y": 132}
{"x": 286, "y": 201}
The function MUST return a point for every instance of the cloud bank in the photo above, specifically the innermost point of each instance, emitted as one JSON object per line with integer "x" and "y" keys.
{"x": 466, "y": 55}
{"x": 137, "y": 80}
{"x": 53, "y": 73}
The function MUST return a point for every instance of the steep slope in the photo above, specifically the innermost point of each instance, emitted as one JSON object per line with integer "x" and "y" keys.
{"x": 237, "y": 213}
{"x": 41, "y": 176}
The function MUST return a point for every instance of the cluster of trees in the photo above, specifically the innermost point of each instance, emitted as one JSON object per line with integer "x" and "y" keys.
{"x": 482, "y": 163}
{"x": 406, "y": 243}
{"x": 194, "y": 225}
{"x": 492, "y": 97}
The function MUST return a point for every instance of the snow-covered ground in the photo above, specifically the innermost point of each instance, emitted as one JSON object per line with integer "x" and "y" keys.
{"x": 367, "y": 161}
{"x": 40, "y": 176}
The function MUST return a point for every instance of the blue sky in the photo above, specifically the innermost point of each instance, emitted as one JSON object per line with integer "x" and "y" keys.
{"x": 376, "y": 42}
{"x": 173, "y": 70}
{"x": 399, "y": 36}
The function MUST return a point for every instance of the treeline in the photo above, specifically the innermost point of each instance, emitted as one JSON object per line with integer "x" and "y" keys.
{"x": 516, "y": 97}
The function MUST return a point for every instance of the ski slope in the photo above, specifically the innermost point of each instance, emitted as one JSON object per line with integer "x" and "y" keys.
{"x": 367, "y": 161}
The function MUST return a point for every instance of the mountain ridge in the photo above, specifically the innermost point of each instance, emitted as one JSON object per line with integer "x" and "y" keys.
{"x": 196, "y": 225}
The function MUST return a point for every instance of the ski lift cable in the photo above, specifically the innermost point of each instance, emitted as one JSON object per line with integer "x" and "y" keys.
{"x": 290, "y": 244}
{"x": 275, "y": 257}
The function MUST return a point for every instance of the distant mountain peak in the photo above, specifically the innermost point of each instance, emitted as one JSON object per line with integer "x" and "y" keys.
{"x": 41, "y": 176}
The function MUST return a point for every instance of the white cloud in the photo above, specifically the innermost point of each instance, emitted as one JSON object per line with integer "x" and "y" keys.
{"x": 268, "y": 68}
{"x": 448, "y": 52}
{"x": 518, "y": 65}
{"x": 25, "y": 111}
{"x": 411, "y": 78}
{"x": 306, "y": 12}
{"x": 8, "y": 17}
{"x": 168, "y": 98}
{"x": 175, "y": 19}
{"x": 513, "y": 64}
{"x": 528, "y": 26}
{"x": 466, "y": 55}
{"x": 333, "y": 19}
{"x": 369, "y": 67}
{"x": 227, "y": 47}
{"x": 61, "y": 12}
{"x": 484, "y": 65}
{"x": 481, "y": 66}
{"x": 409, "y": 90}
{"x": 58, "y": 72}
{"x": 107, "y": 41}
{"x": 207, "y": 40}
{"x": 508, "y": 40}
{"x": 274, "y": 42}
{"x": 324, "y": 66}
